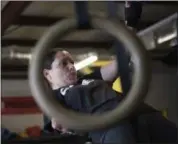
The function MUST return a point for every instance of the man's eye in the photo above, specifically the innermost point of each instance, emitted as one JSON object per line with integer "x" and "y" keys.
{"x": 64, "y": 63}
{"x": 72, "y": 61}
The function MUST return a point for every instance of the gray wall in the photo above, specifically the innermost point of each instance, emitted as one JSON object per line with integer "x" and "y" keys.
{"x": 163, "y": 92}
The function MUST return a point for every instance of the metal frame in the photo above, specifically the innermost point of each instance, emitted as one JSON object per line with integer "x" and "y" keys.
{"x": 63, "y": 43}
{"x": 82, "y": 14}
{"x": 11, "y": 12}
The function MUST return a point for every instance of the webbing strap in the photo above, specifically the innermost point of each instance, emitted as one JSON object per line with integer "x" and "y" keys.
{"x": 123, "y": 58}
{"x": 133, "y": 10}
{"x": 82, "y": 14}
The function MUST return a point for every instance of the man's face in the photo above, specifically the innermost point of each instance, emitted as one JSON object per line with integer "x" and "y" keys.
{"x": 62, "y": 70}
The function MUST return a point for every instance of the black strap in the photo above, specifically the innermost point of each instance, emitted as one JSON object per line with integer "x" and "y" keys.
{"x": 112, "y": 9}
{"x": 82, "y": 14}
{"x": 122, "y": 55}
{"x": 133, "y": 10}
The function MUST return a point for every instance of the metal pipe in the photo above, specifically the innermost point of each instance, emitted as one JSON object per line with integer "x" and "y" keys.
{"x": 153, "y": 36}
{"x": 158, "y": 25}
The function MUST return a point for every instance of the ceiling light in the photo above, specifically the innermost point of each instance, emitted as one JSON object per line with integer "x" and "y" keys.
{"x": 86, "y": 62}
{"x": 167, "y": 38}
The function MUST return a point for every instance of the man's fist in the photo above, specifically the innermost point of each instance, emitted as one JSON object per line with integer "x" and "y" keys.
{"x": 55, "y": 125}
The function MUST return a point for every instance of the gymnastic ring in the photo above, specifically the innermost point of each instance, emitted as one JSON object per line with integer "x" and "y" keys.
{"x": 80, "y": 121}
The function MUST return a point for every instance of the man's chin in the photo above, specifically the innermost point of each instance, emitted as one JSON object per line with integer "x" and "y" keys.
{"x": 71, "y": 82}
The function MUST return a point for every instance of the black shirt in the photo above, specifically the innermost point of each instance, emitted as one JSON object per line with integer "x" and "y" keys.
{"x": 89, "y": 95}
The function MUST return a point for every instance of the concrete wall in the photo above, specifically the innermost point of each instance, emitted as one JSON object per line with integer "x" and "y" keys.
{"x": 17, "y": 123}
{"x": 15, "y": 88}
{"x": 162, "y": 86}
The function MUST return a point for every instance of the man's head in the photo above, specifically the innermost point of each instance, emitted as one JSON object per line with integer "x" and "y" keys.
{"x": 59, "y": 69}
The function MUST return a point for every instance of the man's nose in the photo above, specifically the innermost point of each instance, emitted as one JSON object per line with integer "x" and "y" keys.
{"x": 71, "y": 66}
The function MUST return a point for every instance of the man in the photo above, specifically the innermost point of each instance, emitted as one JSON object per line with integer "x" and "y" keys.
{"x": 90, "y": 94}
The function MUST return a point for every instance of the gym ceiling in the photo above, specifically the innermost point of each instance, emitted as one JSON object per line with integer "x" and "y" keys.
{"x": 24, "y": 22}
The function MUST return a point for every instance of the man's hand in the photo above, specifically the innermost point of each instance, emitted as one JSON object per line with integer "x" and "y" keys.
{"x": 110, "y": 71}
{"x": 55, "y": 125}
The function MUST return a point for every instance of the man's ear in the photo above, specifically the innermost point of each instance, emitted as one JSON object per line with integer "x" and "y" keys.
{"x": 47, "y": 75}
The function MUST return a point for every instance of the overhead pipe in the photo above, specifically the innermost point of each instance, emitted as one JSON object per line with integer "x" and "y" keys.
{"x": 11, "y": 12}
{"x": 152, "y": 39}
{"x": 147, "y": 36}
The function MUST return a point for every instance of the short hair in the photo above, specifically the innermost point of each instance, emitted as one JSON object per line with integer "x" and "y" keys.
{"x": 49, "y": 58}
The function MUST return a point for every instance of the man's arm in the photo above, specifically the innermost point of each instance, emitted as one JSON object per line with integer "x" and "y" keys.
{"x": 110, "y": 71}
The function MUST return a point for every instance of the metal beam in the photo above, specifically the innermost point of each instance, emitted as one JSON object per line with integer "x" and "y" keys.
{"x": 166, "y": 3}
{"x": 37, "y": 20}
{"x": 19, "y": 70}
{"x": 62, "y": 44}
{"x": 170, "y": 20}
{"x": 11, "y": 12}
{"x": 21, "y": 67}
{"x": 47, "y": 21}
{"x": 3, "y": 4}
